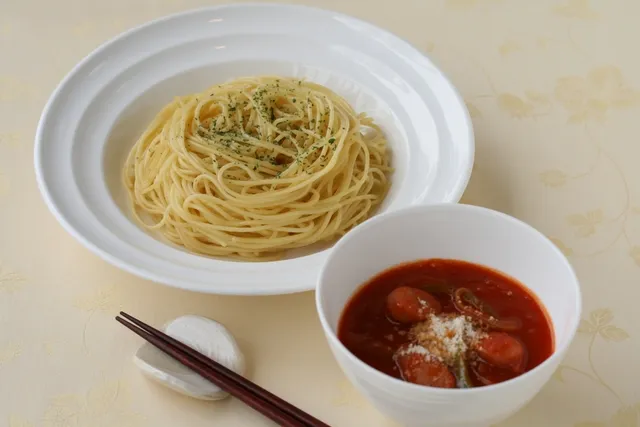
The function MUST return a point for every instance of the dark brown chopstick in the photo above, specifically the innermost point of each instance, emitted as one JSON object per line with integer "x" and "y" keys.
{"x": 250, "y": 393}
{"x": 251, "y": 400}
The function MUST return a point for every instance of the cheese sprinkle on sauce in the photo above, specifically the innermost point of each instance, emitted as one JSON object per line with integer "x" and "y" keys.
{"x": 446, "y": 337}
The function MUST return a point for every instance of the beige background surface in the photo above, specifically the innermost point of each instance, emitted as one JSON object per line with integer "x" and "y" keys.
{"x": 554, "y": 90}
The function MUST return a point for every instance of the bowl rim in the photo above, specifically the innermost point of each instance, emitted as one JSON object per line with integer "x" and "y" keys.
{"x": 454, "y": 194}
{"x": 558, "y": 351}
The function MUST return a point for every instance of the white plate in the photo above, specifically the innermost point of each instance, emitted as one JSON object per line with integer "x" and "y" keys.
{"x": 99, "y": 110}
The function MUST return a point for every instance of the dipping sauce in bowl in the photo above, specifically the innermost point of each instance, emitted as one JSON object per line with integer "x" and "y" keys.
{"x": 448, "y": 324}
{"x": 408, "y": 295}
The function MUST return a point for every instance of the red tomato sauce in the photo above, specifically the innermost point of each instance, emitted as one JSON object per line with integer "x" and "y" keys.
{"x": 515, "y": 332}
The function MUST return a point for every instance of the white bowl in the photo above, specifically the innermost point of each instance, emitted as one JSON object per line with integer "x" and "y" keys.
{"x": 97, "y": 113}
{"x": 458, "y": 232}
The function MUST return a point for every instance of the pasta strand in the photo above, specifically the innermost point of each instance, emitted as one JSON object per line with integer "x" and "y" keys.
{"x": 254, "y": 167}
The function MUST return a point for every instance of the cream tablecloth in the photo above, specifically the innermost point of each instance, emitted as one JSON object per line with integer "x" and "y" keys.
{"x": 553, "y": 87}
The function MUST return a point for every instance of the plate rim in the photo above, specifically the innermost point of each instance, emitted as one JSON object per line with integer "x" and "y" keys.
{"x": 453, "y": 197}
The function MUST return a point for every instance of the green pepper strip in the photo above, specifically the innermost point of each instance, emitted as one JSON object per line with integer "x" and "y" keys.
{"x": 461, "y": 372}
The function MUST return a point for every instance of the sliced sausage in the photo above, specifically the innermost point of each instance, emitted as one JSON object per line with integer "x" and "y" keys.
{"x": 411, "y": 305}
{"x": 488, "y": 374}
{"x": 422, "y": 369}
{"x": 503, "y": 351}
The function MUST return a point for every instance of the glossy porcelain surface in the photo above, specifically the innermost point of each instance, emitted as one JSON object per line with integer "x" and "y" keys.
{"x": 459, "y": 232}
{"x": 99, "y": 110}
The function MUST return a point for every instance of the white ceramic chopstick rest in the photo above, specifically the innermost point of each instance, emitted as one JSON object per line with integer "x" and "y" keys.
{"x": 206, "y": 336}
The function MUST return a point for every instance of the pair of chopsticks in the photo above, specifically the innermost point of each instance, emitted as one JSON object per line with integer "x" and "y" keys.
{"x": 265, "y": 402}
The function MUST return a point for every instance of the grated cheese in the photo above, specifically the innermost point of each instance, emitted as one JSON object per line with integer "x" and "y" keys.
{"x": 446, "y": 337}
{"x": 415, "y": 349}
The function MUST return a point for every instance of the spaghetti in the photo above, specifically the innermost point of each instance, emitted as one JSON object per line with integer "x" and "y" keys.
{"x": 257, "y": 166}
